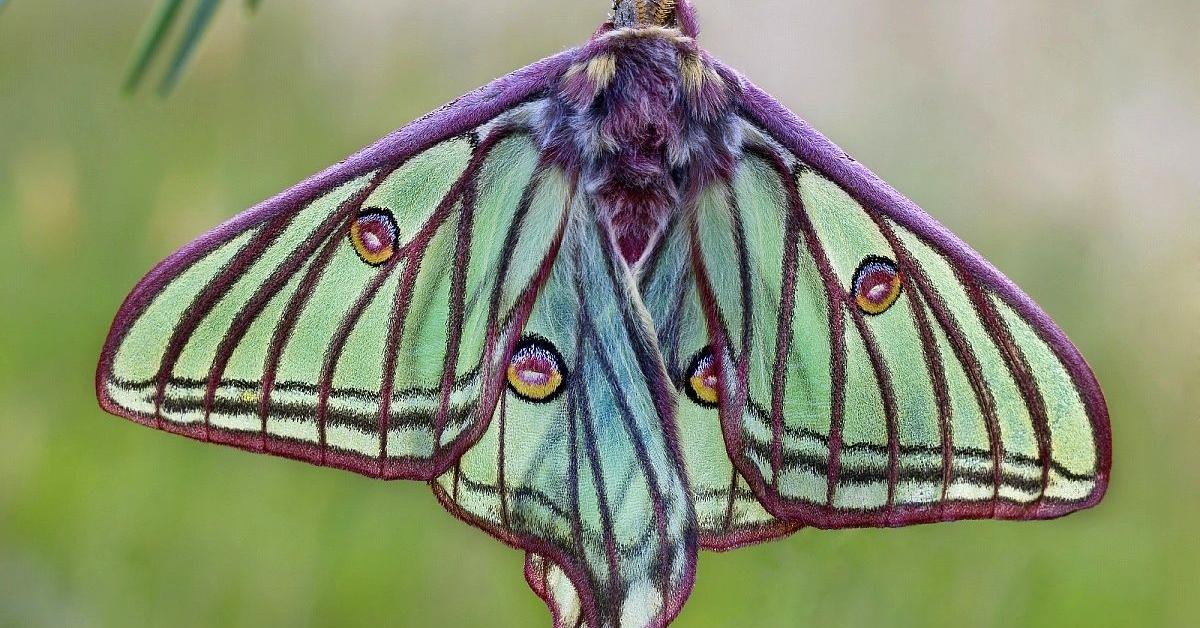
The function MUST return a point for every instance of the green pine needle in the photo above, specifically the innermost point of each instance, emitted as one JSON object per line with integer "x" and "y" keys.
{"x": 201, "y": 18}
{"x": 151, "y": 41}
{"x": 154, "y": 40}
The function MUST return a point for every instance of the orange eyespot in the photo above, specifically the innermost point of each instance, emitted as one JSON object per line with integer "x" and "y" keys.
{"x": 373, "y": 235}
{"x": 877, "y": 285}
{"x": 536, "y": 372}
{"x": 701, "y": 384}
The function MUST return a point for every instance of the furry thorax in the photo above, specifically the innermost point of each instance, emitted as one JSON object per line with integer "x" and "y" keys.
{"x": 648, "y": 121}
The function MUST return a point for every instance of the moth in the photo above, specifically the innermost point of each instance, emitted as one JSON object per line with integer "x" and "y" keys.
{"x": 617, "y": 307}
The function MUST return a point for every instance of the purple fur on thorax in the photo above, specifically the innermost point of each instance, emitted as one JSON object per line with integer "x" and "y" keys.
{"x": 645, "y": 142}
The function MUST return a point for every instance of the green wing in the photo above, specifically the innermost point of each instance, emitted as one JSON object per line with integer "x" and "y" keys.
{"x": 360, "y": 326}
{"x": 580, "y": 465}
{"x": 728, "y": 515}
{"x": 871, "y": 373}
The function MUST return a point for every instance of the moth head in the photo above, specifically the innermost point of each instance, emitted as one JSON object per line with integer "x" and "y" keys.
{"x": 677, "y": 14}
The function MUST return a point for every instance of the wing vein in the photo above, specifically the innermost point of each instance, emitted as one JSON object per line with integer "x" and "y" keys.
{"x": 836, "y": 300}
{"x": 458, "y": 197}
{"x": 972, "y": 369}
{"x": 204, "y": 302}
{"x": 606, "y": 523}
{"x": 458, "y": 290}
{"x": 1018, "y": 367}
{"x": 883, "y": 379}
{"x": 278, "y": 279}
{"x": 283, "y": 331}
{"x": 933, "y": 357}
{"x": 501, "y": 481}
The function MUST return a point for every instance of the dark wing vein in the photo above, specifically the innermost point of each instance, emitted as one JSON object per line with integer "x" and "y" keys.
{"x": 968, "y": 360}
{"x": 206, "y": 300}
{"x": 835, "y": 298}
{"x": 278, "y": 279}
{"x": 1019, "y": 369}
{"x": 933, "y": 357}
{"x": 883, "y": 380}
{"x": 458, "y": 288}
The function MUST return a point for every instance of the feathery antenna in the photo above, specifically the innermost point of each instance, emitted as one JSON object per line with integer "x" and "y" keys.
{"x": 666, "y": 8}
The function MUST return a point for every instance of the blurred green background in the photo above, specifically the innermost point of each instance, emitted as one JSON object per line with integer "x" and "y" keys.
{"x": 1060, "y": 139}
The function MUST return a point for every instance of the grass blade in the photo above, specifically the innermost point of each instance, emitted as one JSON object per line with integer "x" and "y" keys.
{"x": 151, "y": 41}
{"x": 201, "y": 18}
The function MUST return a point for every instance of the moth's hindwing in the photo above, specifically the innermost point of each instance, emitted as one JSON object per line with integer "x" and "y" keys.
{"x": 728, "y": 514}
{"x": 580, "y": 465}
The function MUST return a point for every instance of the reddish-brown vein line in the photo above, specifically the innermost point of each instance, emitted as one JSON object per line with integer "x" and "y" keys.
{"x": 651, "y": 477}
{"x": 267, "y": 291}
{"x": 589, "y": 445}
{"x": 493, "y": 380}
{"x": 1018, "y": 367}
{"x": 525, "y": 300}
{"x": 524, "y": 303}
{"x": 411, "y": 253}
{"x": 745, "y": 292}
{"x": 610, "y": 543}
{"x": 521, "y": 312}
{"x": 972, "y": 369}
{"x": 743, "y": 360}
{"x": 573, "y": 468}
{"x": 937, "y": 374}
{"x": 287, "y": 324}
{"x": 645, "y": 349}
{"x": 837, "y": 324}
{"x": 671, "y": 340}
{"x": 650, "y": 366}
{"x": 732, "y": 497}
{"x": 933, "y": 357}
{"x": 718, "y": 336}
{"x": 253, "y": 308}
{"x": 787, "y": 307}
{"x": 458, "y": 289}
{"x": 395, "y": 336}
{"x": 338, "y": 344}
{"x": 464, "y": 190}
{"x": 457, "y": 476}
{"x": 501, "y": 485}
{"x": 204, "y": 302}
{"x": 883, "y": 379}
